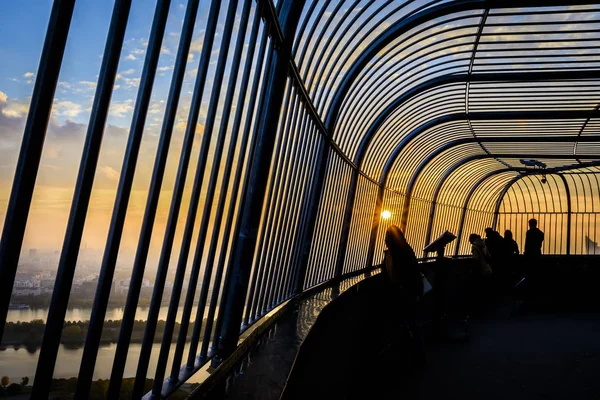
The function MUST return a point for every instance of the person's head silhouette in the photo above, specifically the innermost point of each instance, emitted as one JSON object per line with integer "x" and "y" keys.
{"x": 533, "y": 223}
{"x": 394, "y": 237}
{"x": 473, "y": 237}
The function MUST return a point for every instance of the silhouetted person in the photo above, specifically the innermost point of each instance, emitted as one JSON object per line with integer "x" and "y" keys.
{"x": 536, "y": 279}
{"x": 494, "y": 244}
{"x": 404, "y": 273}
{"x": 480, "y": 255}
{"x": 481, "y": 285}
{"x": 407, "y": 288}
{"x": 533, "y": 240}
{"x": 512, "y": 248}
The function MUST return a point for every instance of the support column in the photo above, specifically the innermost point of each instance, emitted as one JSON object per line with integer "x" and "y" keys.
{"x": 463, "y": 213}
{"x": 313, "y": 211}
{"x": 343, "y": 247}
{"x": 568, "y": 191}
{"x": 375, "y": 226}
{"x": 499, "y": 201}
{"x": 31, "y": 149}
{"x": 243, "y": 253}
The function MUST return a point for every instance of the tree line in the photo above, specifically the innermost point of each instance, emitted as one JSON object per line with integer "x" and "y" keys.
{"x": 30, "y": 334}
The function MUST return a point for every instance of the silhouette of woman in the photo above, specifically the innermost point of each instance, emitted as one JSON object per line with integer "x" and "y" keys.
{"x": 403, "y": 268}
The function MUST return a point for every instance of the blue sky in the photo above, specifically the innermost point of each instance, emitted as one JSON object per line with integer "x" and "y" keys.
{"x": 23, "y": 27}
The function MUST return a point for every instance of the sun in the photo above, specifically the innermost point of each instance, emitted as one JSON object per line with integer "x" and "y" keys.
{"x": 386, "y": 214}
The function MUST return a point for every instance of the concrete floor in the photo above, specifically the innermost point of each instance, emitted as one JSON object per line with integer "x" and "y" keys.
{"x": 532, "y": 356}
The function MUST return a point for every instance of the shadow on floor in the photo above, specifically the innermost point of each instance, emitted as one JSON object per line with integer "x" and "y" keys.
{"x": 534, "y": 356}
{"x": 357, "y": 351}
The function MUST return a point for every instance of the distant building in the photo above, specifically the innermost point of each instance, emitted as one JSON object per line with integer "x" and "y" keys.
{"x": 27, "y": 286}
{"x": 27, "y": 292}
{"x": 121, "y": 286}
{"x": 47, "y": 285}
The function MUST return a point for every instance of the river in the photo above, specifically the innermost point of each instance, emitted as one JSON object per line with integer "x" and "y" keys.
{"x": 19, "y": 363}
{"x": 83, "y": 314}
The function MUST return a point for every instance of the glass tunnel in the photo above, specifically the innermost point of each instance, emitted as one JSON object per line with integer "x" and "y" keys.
{"x": 289, "y": 135}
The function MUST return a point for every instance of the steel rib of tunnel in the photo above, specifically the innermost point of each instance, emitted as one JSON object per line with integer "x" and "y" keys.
{"x": 584, "y": 213}
{"x": 433, "y": 83}
{"x": 248, "y": 126}
{"x": 161, "y": 274}
{"x": 352, "y": 107}
{"x": 111, "y": 251}
{"x": 223, "y": 196}
{"x": 464, "y": 182}
{"x": 30, "y": 153}
{"x": 209, "y": 199}
{"x": 475, "y": 116}
{"x": 370, "y": 73}
{"x": 78, "y": 212}
{"x": 157, "y": 177}
{"x": 241, "y": 174}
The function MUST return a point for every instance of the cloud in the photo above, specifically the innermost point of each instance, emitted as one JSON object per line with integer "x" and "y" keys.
{"x": 13, "y": 108}
{"x": 138, "y": 52}
{"x": 157, "y": 108}
{"x": 28, "y": 75}
{"x": 88, "y": 85}
{"x": 120, "y": 109}
{"x": 130, "y": 57}
{"x": 109, "y": 173}
{"x": 196, "y": 45}
{"x": 13, "y": 114}
{"x": 181, "y": 126}
{"x": 62, "y": 148}
{"x": 167, "y": 68}
{"x": 164, "y": 50}
{"x": 128, "y": 71}
{"x": 128, "y": 82}
{"x": 66, "y": 108}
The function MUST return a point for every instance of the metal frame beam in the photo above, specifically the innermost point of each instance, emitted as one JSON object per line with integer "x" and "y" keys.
{"x": 31, "y": 149}
{"x": 376, "y": 214}
{"x": 404, "y": 25}
{"x": 518, "y": 139}
{"x": 480, "y": 116}
{"x": 568, "y": 192}
{"x": 81, "y": 198}
{"x": 463, "y": 78}
{"x": 523, "y": 173}
{"x": 245, "y": 241}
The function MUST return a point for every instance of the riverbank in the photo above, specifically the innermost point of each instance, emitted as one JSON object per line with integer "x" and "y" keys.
{"x": 77, "y": 300}
{"x": 64, "y": 389}
{"x": 30, "y": 334}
